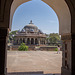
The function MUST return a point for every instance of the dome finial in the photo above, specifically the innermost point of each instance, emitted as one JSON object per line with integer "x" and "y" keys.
{"x": 31, "y": 22}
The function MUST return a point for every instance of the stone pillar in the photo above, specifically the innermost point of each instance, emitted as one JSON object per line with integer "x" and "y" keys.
{"x": 22, "y": 40}
{"x": 15, "y": 41}
{"x": 3, "y": 51}
{"x": 66, "y": 54}
{"x": 25, "y": 40}
{"x": 19, "y": 41}
{"x": 39, "y": 41}
{"x": 30, "y": 41}
{"x": 45, "y": 41}
{"x": 34, "y": 41}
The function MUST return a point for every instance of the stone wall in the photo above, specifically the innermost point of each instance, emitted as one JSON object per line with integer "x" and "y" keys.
{"x": 48, "y": 48}
{"x": 33, "y": 48}
{"x": 15, "y": 48}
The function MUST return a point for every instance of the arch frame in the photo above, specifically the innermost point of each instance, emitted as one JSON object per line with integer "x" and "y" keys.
{"x": 64, "y": 22}
{"x": 67, "y": 36}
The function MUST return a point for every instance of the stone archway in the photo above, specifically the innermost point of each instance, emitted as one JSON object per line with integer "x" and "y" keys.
{"x": 23, "y": 40}
{"x": 20, "y": 40}
{"x": 28, "y": 41}
{"x": 64, "y": 21}
{"x": 58, "y": 6}
{"x": 63, "y": 9}
{"x": 32, "y": 41}
{"x": 55, "y": 5}
{"x": 36, "y": 41}
{"x": 64, "y": 18}
{"x": 17, "y": 41}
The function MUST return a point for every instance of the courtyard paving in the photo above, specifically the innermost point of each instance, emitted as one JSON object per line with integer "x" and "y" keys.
{"x": 44, "y": 62}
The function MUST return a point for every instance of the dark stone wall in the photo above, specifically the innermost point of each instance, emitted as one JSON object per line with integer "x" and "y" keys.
{"x": 3, "y": 51}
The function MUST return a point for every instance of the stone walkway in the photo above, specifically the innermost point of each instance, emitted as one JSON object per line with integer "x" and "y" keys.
{"x": 22, "y": 62}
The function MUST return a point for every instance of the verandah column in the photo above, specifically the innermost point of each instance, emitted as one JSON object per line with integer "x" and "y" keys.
{"x": 39, "y": 41}
{"x": 34, "y": 41}
{"x": 26, "y": 40}
{"x": 45, "y": 41}
{"x": 66, "y": 54}
{"x": 30, "y": 41}
{"x": 3, "y": 50}
{"x": 71, "y": 5}
{"x": 19, "y": 41}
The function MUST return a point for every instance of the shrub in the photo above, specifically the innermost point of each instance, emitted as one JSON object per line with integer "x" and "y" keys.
{"x": 23, "y": 47}
{"x": 56, "y": 49}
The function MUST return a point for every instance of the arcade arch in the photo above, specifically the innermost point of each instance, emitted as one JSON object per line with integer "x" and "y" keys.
{"x": 64, "y": 18}
{"x": 36, "y": 41}
{"x": 66, "y": 29}
{"x": 28, "y": 41}
{"x": 63, "y": 13}
{"x": 32, "y": 41}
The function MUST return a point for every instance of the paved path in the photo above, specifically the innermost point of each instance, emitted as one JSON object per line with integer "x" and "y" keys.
{"x": 47, "y": 62}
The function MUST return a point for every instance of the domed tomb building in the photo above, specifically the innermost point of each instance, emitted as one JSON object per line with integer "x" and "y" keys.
{"x": 30, "y": 35}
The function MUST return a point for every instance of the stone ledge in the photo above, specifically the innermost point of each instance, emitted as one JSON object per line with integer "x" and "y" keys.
{"x": 68, "y": 37}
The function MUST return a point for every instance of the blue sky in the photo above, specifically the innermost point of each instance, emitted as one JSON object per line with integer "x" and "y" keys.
{"x": 42, "y": 15}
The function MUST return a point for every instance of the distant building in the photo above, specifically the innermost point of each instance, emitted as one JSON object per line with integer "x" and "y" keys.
{"x": 30, "y": 35}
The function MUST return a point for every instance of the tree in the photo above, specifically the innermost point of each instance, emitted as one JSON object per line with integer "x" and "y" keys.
{"x": 11, "y": 35}
{"x": 23, "y": 47}
{"x": 13, "y": 32}
{"x": 53, "y": 38}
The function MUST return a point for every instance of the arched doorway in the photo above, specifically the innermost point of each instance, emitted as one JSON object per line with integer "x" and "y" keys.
{"x": 32, "y": 41}
{"x": 66, "y": 22}
{"x": 17, "y": 42}
{"x": 23, "y": 40}
{"x": 20, "y": 40}
{"x": 28, "y": 41}
{"x": 36, "y": 41}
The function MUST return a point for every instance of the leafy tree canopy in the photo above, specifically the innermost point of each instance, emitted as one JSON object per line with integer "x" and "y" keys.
{"x": 13, "y": 32}
{"x": 53, "y": 38}
{"x": 11, "y": 35}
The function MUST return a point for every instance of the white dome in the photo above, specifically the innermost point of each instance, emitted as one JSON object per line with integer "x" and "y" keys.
{"x": 30, "y": 25}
